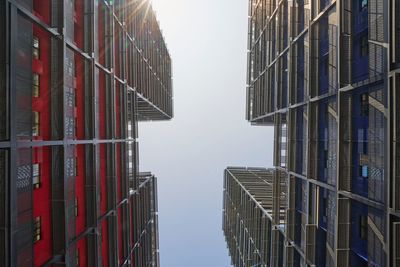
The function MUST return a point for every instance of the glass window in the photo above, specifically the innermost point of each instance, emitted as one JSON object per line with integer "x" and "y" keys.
{"x": 363, "y": 171}
{"x": 37, "y": 225}
{"x": 76, "y": 207}
{"x": 36, "y": 175}
{"x": 36, "y": 48}
{"x": 77, "y": 257}
{"x": 363, "y": 227}
{"x": 35, "y": 123}
{"x": 364, "y": 46}
{"x": 363, "y": 4}
{"x": 364, "y": 104}
{"x": 35, "y": 85}
{"x": 76, "y": 166}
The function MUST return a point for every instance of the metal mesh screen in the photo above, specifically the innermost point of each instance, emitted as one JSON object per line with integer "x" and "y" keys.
{"x": 23, "y": 214}
{"x": 3, "y": 208}
{"x": 3, "y": 89}
{"x": 345, "y": 135}
{"x": 24, "y": 79}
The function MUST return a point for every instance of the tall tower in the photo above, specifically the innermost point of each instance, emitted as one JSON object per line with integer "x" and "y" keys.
{"x": 75, "y": 78}
{"x": 325, "y": 74}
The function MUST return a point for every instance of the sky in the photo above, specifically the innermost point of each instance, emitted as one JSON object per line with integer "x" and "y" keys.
{"x": 207, "y": 41}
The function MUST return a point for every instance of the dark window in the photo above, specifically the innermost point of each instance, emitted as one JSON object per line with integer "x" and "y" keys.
{"x": 326, "y": 70}
{"x": 37, "y": 225}
{"x": 363, "y": 227}
{"x": 76, "y": 207}
{"x": 364, "y": 104}
{"x": 76, "y": 166}
{"x": 364, "y": 46}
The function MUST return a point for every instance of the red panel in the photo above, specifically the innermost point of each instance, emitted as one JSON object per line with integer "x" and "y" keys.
{"x": 82, "y": 248}
{"x": 103, "y": 181}
{"x": 120, "y": 237}
{"x": 80, "y": 190}
{"x": 79, "y": 23}
{"x": 118, "y": 172}
{"x": 131, "y": 209}
{"x": 102, "y": 105}
{"x": 104, "y": 243}
{"x": 101, "y": 43}
{"x": 42, "y": 207}
{"x": 117, "y": 110}
{"x": 116, "y": 50}
{"x": 41, "y": 8}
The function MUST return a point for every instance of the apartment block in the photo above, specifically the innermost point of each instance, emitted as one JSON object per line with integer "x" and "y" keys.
{"x": 254, "y": 201}
{"x": 76, "y": 76}
{"x": 326, "y": 75}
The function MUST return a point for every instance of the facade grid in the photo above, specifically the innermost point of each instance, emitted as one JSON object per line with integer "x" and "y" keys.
{"x": 76, "y": 76}
{"x": 326, "y": 75}
{"x": 254, "y": 201}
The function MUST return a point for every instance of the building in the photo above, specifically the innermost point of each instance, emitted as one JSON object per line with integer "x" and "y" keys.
{"x": 75, "y": 78}
{"x": 254, "y": 201}
{"x": 144, "y": 210}
{"x": 326, "y": 75}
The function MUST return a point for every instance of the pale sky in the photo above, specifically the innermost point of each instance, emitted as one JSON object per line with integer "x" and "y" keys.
{"x": 207, "y": 41}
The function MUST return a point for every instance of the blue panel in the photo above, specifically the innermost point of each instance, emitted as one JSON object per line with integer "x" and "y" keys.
{"x": 300, "y": 140}
{"x": 320, "y": 253}
{"x": 360, "y": 132}
{"x": 358, "y": 245}
{"x": 360, "y": 40}
{"x": 300, "y": 69}
{"x": 323, "y": 201}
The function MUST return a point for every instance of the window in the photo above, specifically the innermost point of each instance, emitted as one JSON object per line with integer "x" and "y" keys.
{"x": 326, "y": 70}
{"x": 35, "y": 85}
{"x": 364, "y": 104}
{"x": 76, "y": 207}
{"x": 36, "y": 48}
{"x": 36, "y": 175}
{"x": 37, "y": 225}
{"x": 363, "y": 227}
{"x": 35, "y": 123}
{"x": 76, "y": 166}
{"x": 363, "y": 4}
{"x": 363, "y": 171}
{"x": 364, "y": 46}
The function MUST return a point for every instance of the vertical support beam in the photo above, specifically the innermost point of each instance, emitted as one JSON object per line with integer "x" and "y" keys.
{"x": 11, "y": 251}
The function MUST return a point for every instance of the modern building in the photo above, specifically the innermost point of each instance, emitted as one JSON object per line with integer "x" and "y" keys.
{"x": 144, "y": 210}
{"x": 75, "y": 78}
{"x": 254, "y": 202}
{"x": 326, "y": 75}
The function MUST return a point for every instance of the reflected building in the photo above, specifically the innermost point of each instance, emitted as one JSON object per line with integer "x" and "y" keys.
{"x": 76, "y": 76}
